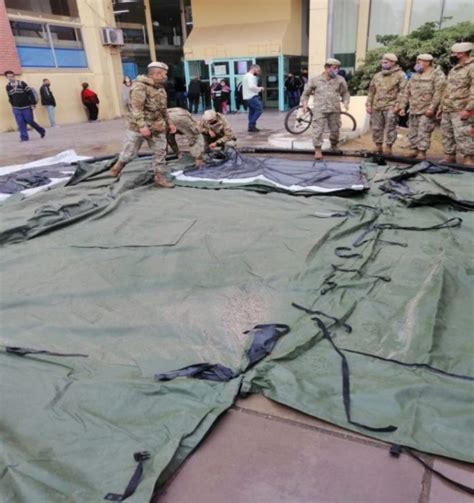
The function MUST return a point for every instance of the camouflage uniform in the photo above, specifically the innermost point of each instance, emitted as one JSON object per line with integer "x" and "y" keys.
{"x": 148, "y": 108}
{"x": 458, "y": 96}
{"x": 423, "y": 93}
{"x": 224, "y": 134}
{"x": 187, "y": 126}
{"x": 328, "y": 94}
{"x": 384, "y": 94}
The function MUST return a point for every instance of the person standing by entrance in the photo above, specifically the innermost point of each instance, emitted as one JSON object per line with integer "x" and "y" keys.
{"x": 22, "y": 100}
{"x": 250, "y": 91}
{"x": 216, "y": 94}
{"x": 48, "y": 101}
{"x": 90, "y": 100}
{"x": 194, "y": 94}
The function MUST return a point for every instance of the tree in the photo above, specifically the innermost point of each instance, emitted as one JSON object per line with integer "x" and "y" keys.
{"x": 428, "y": 38}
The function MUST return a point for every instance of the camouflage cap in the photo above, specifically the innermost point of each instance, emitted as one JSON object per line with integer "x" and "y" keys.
{"x": 158, "y": 64}
{"x": 333, "y": 62}
{"x": 425, "y": 57}
{"x": 390, "y": 56}
{"x": 462, "y": 47}
{"x": 209, "y": 115}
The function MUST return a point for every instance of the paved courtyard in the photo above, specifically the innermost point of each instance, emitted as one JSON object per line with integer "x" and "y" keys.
{"x": 259, "y": 451}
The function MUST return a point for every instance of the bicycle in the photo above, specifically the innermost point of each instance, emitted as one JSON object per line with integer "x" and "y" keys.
{"x": 297, "y": 121}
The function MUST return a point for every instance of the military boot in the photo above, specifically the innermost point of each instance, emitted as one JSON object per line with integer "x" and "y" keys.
{"x": 388, "y": 150}
{"x": 449, "y": 159}
{"x": 318, "y": 155}
{"x": 117, "y": 168}
{"x": 378, "y": 149}
{"x": 469, "y": 160}
{"x": 161, "y": 181}
{"x": 334, "y": 146}
{"x": 421, "y": 155}
{"x": 412, "y": 154}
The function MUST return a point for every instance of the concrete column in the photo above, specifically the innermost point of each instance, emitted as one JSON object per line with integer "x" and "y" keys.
{"x": 318, "y": 33}
{"x": 362, "y": 31}
{"x": 407, "y": 17}
{"x": 149, "y": 30}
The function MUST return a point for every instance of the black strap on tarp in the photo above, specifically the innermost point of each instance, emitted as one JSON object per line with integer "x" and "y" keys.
{"x": 338, "y": 322}
{"x": 139, "y": 457}
{"x": 410, "y": 365}
{"x": 264, "y": 339}
{"x": 346, "y": 383}
{"x": 28, "y": 351}
{"x": 340, "y": 251}
{"x": 396, "y": 450}
{"x": 207, "y": 371}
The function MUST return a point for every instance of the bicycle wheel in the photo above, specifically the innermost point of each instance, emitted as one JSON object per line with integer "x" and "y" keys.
{"x": 348, "y": 121}
{"x": 297, "y": 122}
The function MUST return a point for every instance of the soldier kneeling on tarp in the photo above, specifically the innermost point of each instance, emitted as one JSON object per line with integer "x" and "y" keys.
{"x": 216, "y": 131}
{"x": 187, "y": 126}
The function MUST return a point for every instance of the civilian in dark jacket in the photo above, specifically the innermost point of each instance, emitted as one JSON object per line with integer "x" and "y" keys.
{"x": 194, "y": 93}
{"x": 22, "y": 100}
{"x": 47, "y": 100}
{"x": 293, "y": 86}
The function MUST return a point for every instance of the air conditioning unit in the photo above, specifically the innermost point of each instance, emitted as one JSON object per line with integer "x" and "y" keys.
{"x": 112, "y": 36}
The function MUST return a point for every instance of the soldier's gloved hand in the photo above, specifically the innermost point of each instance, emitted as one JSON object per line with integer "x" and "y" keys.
{"x": 465, "y": 114}
{"x": 346, "y": 108}
{"x": 199, "y": 163}
{"x": 402, "y": 113}
{"x": 145, "y": 132}
{"x": 368, "y": 110}
{"x": 172, "y": 129}
{"x": 429, "y": 113}
{"x": 305, "y": 109}
{"x": 211, "y": 133}
{"x": 213, "y": 146}
{"x": 439, "y": 113}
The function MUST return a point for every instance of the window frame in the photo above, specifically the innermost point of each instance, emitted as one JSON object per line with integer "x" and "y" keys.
{"x": 46, "y": 28}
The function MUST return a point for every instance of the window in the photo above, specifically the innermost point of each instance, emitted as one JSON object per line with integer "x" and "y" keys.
{"x": 55, "y": 7}
{"x": 444, "y": 12}
{"x": 386, "y": 18}
{"x": 344, "y": 31}
{"x": 48, "y": 46}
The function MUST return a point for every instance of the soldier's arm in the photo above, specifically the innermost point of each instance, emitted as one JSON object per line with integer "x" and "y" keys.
{"x": 401, "y": 90}
{"x": 371, "y": 94}
{"x": 137, "y": 105}
{"x": 228, "y": 133}
{"x": 203, "y": 129}
{"x": 439, "y": 85}
{"x": 405, "y": 96}
{"x": 470, "y": 103}
{"x": 308, "y": 91}
{"x": 346, "y": 97}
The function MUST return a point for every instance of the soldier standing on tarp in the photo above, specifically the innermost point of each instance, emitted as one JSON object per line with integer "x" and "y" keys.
{"x": 187, "y": 126}
{"x": 329, "y": 89}
{"x": 383, "y": 104}
{"x": 457, "y": 109}
{"x": 423, "y": 94}
{"x": 148, "y": 120}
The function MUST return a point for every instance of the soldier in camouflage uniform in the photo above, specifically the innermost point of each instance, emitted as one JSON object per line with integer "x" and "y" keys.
{"x": 457, "y": 109}
{"x": 187, "y": 126}
{"x": 423, "y": 94}
{"x": 216, "y": 131}
{"x": 148, "y": 120}
{"x": 329, "y": 89}
{"x": 383, "y": 104}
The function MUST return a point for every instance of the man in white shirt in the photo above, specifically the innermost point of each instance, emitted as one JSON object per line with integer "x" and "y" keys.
{"x": 250, "y": 91}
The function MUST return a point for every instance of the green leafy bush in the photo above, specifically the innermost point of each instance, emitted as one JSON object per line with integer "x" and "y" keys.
{"x": 426, "y": 39}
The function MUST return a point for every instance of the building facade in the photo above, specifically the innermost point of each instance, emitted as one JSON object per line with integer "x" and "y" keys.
{"x": 61, "y": 40}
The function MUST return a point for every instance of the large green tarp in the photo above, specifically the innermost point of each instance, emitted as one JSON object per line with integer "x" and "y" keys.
{"x": 146, "y": 280}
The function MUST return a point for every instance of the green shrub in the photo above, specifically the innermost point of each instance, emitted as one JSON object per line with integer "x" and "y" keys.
{"x": 426, "y": 39}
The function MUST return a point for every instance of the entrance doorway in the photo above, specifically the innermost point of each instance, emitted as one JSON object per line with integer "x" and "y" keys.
{"x": 270, "y": 81}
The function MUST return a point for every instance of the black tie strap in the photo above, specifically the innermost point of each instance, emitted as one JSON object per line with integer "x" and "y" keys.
{"x": 410, "y": 365}
{"x": 264, "y": 339}
{"x": 28, "y": 351}
{"x": 396, "y": 450}
{"x": 346, "y": 383}
{"x": 139, "y": 457}
{"x": 339, "y": 322}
